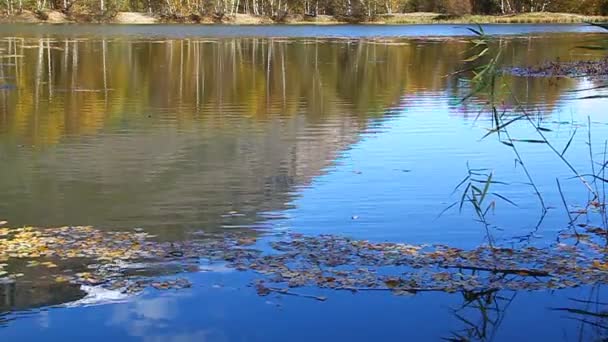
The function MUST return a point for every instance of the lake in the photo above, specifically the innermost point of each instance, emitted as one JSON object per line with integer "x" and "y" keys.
{"x": 177, "y": 31}
{"x": 356, "y": 131}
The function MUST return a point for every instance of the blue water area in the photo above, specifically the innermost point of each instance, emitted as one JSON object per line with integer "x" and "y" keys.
{"x": 222, "y": 308}
{"x": 360, "y": 138}
{"x": 327, "y": 31}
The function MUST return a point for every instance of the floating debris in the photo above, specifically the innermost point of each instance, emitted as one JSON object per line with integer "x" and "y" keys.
{"x": 176, "y": 284}
{"x": 115, "y": 260}
{"x": 589, "y": 68}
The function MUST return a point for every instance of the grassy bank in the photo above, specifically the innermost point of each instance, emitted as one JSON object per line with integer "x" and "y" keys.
{"x": 246, "y": 19}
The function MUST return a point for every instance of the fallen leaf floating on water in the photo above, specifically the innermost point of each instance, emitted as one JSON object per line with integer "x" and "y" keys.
{"x": 48, "y": 264}
{"x": 588, "y": 68}
{"x": 324, "y": 261}
{"x": 61, "y": 279}
{"x": 176, "y": 284}
{"x": 246, "y": 241}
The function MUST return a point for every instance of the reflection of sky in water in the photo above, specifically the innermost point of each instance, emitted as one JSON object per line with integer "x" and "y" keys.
{"x": 393, "y": 184}
{"x": 231, "y": 313}
{"x": 181, "y": 31}
{"x": 369, "y": 182}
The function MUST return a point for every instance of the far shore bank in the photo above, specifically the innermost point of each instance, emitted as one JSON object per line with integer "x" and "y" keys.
{"x": 57, "y": 17}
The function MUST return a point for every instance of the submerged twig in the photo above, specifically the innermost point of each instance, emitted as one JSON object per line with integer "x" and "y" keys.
{"x": 518, "y": 271}
{"x": 288, "y": 293}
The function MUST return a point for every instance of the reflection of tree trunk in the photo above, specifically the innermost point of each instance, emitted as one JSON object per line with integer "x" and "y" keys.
{"x": 17, "y": 61}
{"x": 74, "y": 64}
{"x": 197, "y": 73}
{"x": 202, "y": 81}
{"x": 530, "y": 48}
{"x": 66, "y": 56}
{"x": 239, "y": 45}
{"x": 233, "y": 53}
{"x": 50, "y": 69}
{"x": 9, "y": 294}
{"x": 268, "y": 73}
{"x": 38, "y": 74}
{"x": 254, "y": 50}
{"x": 12, "y": 44}
{"x": 319, "y": 82}
{"x": 220, "y": 80}
{"x": 317, "y": 56}
{"x": 181, "y": 70}
{"x": 3, "y": 93}
{"x": 283, "y": 72}
{"x": 105, "y": 74}
{"x": 358, "y": 58}
{"x": 169, "y": 50}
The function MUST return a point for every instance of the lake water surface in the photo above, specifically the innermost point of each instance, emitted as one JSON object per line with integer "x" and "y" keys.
{"x": 176, "y": 129}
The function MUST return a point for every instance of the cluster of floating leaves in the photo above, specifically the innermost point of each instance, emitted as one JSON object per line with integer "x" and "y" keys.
{"x": 111, "y": 260}
{"x": 585, "y": 68}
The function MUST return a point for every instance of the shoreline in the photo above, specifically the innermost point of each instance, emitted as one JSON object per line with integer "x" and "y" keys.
{"x": 130, "y": 18}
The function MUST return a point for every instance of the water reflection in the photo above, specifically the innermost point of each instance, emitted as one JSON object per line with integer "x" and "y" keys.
{"x": 292, "y": 31}
{"x": 177, "y": 133}
{"x": 481, "y": 315}
{"x": 229, "y": 314}
{"x": 589, "y": 312}
{"x": 23, "y": 296}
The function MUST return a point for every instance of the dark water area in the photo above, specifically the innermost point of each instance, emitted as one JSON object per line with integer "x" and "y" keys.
{"x": 365, "y": 138}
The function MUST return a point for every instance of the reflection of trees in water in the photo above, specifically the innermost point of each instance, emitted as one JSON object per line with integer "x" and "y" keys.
{"x": 24, "y": 296}
{"x": 91, "y": 84}
{"x": 179, "y": 132}
{"x": 38, "y": 288}
{"x": 171, "y": 131}
{"x": 185, "y": 130}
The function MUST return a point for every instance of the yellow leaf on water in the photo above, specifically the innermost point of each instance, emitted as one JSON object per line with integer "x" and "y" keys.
{"x": 600, "y": 265}
{"x": 61, "y": 279}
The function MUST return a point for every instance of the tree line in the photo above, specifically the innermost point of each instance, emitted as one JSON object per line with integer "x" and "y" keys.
{"x": 280, "y": 9}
